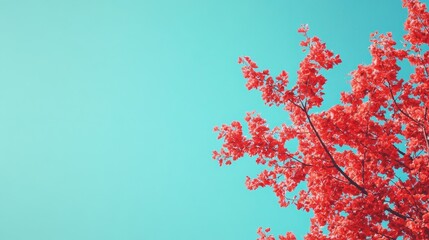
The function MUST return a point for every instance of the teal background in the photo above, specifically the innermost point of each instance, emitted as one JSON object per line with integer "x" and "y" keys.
{"x": 107, "y": 110}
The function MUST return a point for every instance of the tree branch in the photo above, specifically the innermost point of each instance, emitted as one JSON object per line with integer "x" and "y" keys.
{"x": 396, "y": 213}
{"x": 351, "y": 181}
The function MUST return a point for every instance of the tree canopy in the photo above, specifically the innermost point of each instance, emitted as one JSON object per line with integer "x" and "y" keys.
{"x": 365, "y": 161}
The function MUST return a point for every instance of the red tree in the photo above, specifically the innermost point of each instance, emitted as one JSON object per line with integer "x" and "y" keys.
{"x": 365, "y": 161}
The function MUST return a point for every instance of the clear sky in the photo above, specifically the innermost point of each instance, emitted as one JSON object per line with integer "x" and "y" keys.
{"x": 107, "y": 110}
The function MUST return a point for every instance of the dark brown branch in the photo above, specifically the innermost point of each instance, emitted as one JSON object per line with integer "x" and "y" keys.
{"x": 396, "y": 213}
{"x": 399, "y": 108}
{"x": 416, "y": 203}
{"x": 399, "y": 150}
{"x": 414, "y": 120}
{"x": 351, "y": 181}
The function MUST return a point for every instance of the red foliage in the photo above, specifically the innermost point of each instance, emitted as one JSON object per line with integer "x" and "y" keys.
{"x": 383, "y": 124}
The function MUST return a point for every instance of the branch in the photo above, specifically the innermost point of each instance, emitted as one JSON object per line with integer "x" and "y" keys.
{"x": 414, "y": 120}
{"x": 417, "y": 204}
{"x": 399, "y": 150}
{"x": 399, "y": 108}
{"x": 396, "y": 213}
{"x": 351, "y": 181}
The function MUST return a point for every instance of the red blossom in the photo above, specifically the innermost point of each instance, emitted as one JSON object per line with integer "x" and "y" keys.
{"x": 365, "y": 162}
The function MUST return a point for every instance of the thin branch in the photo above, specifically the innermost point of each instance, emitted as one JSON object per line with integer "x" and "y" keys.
{"x": 396, "y": 213}
{"x": 399, "y": 108}
{"x": 351, "y": 181}
{"x": 399, "y": 150}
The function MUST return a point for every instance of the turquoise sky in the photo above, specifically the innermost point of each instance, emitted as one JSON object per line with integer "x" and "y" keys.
{"x": 107, "y": 110}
